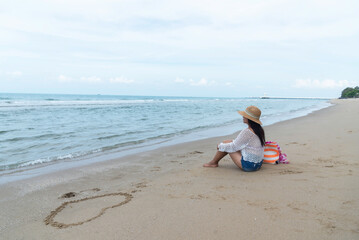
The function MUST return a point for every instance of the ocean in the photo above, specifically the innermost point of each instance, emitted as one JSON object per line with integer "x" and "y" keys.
{"x": 43, "y": 129}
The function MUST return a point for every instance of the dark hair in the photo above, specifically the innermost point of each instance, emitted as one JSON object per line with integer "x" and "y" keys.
{"x": 258, "y": 130}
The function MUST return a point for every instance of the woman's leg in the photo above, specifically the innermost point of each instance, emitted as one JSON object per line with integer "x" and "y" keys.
{"x": 237, "y": 158}
{"x": 217, "y": 157}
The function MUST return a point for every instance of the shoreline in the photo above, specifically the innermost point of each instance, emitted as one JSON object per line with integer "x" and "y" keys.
{"x": 36, "y": 170}
{"x": 171, "y": 196}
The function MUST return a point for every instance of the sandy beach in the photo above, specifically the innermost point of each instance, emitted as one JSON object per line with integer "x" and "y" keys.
{"x": 167, "y": 194}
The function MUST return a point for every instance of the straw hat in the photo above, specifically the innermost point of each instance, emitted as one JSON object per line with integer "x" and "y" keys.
{"x": 253, "y": 113}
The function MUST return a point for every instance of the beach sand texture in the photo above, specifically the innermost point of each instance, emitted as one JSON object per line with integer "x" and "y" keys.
{"x": 167, "y": 194}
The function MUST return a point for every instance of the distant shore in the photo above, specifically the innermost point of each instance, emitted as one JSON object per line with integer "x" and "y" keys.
{"x": 167, "y": 194}
{"x": 269, "y": 97}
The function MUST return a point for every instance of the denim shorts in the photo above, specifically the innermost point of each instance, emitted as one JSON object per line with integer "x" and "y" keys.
{"x": 250, "y": 166}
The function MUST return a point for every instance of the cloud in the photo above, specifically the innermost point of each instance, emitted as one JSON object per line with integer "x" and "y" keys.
{"x": 92, "y": 79}
{"x": 179, "y": 80}
{"x": 326, "y": 83}
{"x": 227, "y": 40}
{"x": 66, "y": 79}
{"x": 63, "y": 78}
{"x": 14, "y": 74}
{"x": 202, "y": 82}
{"x": 121, "y": 80}
{"x": 183, "y": 23}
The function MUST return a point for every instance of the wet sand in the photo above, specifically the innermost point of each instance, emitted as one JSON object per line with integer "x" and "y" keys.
{"x": 167, "y": 194}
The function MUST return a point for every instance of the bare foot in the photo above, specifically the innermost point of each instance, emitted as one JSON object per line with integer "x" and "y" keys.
{"x": 210, "y": 165}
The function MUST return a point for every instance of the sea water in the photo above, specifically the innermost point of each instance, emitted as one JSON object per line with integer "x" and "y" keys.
{"x": 38, "y": 129}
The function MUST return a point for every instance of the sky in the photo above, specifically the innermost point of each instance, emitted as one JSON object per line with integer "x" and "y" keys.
{"x": 227, "y": 48}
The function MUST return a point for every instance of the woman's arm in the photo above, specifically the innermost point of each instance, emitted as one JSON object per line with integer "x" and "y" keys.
{"x": 237, "y": 144}
{"x": 225, "y": 141}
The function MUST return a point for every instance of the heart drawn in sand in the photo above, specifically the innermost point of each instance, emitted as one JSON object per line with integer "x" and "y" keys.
{"x": 49, "y": 220}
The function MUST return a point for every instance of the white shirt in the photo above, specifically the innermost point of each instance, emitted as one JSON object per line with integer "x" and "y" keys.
{"x": 248, "y": 143}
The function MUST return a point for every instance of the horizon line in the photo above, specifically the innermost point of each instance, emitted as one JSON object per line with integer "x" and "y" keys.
{"x": 100, "y": 94}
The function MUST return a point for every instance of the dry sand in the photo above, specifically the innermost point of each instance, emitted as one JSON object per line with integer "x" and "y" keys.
{"x": 167, "y": 194}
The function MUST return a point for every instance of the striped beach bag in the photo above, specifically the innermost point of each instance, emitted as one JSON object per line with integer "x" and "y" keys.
{"x": 273, "y": 154}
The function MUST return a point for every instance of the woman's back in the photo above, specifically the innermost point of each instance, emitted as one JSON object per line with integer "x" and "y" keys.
{"x": 253, "y": 151}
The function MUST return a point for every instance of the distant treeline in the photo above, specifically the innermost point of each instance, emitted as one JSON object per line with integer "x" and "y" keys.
{"x": 350, "y": 92}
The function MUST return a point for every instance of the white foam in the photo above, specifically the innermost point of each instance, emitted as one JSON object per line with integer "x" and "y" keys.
{"x": 35, "y": 162}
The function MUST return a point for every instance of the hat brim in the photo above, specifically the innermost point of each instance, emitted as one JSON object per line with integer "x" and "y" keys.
{"x": 244, "y": 114}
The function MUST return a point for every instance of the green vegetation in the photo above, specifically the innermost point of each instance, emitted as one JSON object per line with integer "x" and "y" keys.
{"x": 350, "y": 92}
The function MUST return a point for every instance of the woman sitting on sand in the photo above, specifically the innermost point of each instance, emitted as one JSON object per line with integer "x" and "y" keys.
{"x": 247, "y": 149}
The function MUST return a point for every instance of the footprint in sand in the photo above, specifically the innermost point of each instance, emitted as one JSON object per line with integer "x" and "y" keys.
{"x": 74, "y": 194}
{"x": 298, "y": 206}
{"x": 190, "y": 153}
{"x": 141, "y": 184}
{"x": 156, "y": 169}
{"x": 77, "y": 212}
{"x": 289, "y": 172}
{"x": 68, "y": 195}
{"x": 291, "y": 143}
{"x": 198, "y": 197}
{"x": 196, "y": 152}
{"x": 331, "y": 161}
